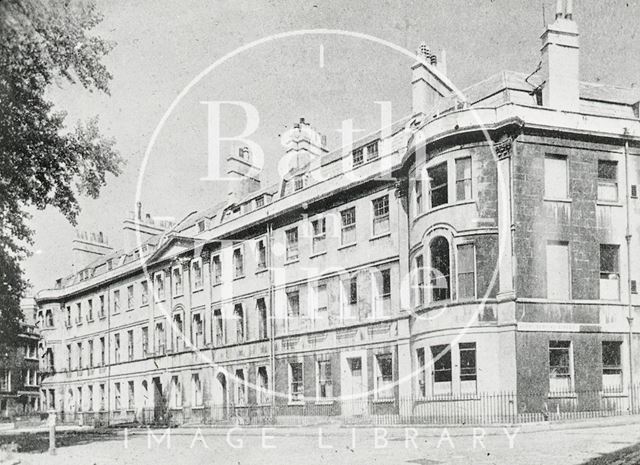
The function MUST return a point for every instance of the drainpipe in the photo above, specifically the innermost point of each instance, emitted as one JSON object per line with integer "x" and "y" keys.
{"x": 272, "y": 324}
{"x": 628, "y": 241}
{"x": 108, "y": 349}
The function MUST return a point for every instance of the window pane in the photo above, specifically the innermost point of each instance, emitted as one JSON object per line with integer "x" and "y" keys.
{"x": 555, "y": 177}
{"x": 463, "y": 178}
{"x": 438, "y": 185}
{"x": 609, "y": 258}
{"x": 558, "y": 270}
{"x": 607, "y": 180}
{"x": 560, "y": 366}
{"x": 608, "y": 169}
{"x": 441, "y": 363}
{"x": 467, "y": 361}
{"x": 609, "y": 272}
{"x": 611, "y": 354}
{"x": 439, "y": 279}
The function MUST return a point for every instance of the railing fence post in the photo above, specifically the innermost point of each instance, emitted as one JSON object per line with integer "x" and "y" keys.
{"x": 52, "y": 432}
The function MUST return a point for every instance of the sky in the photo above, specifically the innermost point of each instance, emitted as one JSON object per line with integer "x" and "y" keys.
{"x": 161, "y": 46}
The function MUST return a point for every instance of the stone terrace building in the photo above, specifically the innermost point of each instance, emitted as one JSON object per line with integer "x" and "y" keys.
{"x": 19, "y": 370}
{"x": 481, "y": 245}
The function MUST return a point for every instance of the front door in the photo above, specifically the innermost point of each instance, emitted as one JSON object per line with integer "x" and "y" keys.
{"x": 158, "y": 400}
{"x": 356, "y": 387}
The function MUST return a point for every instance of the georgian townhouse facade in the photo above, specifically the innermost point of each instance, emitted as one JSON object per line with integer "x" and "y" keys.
{"x": 483, "y": 244}
{"x": 19, "y": 370}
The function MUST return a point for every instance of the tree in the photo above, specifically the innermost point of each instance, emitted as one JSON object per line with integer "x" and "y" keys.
{"x": 43, "y": 162}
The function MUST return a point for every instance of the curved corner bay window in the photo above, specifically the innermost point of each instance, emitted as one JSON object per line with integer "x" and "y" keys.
{"x": 440, "y": 269}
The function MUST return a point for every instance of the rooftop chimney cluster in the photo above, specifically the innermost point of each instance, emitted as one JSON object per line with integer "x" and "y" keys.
{"x": 424, "y": 52}
{"x": 86, "y": 247}
{"x": 246, "y": 175}
{"x": 560, "y": 60}
{"x": 568, "y": 11}
{"x": 427, "y": 84}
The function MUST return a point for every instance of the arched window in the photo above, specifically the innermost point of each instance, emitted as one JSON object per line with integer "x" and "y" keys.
{"x": 440, "y": 269}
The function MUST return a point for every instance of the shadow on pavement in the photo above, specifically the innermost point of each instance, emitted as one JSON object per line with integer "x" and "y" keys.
{"x": 39, "y": 442}
{"x": 626, "y": 456}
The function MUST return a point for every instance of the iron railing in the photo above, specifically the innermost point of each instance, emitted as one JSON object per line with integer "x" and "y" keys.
{"x": 459, "y": 409}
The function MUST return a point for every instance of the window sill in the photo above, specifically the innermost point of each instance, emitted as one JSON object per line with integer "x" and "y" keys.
{"x": 200, "y": 289}
{"x": 443, "y": 206}
{"x": 178, "y": 295}
{"x": 102, "y": 317}
{"x": 609, "y": 203}
{"x": 216, "y": 284}
{"x": 296, "y": 402}
{"x": 380, "y": 236}
{"x": 197, "y": 407}
{"x": 261, "y": 270}
{"x": 292, "y": 261}
{"x": 325, "y": 402}
{"x": 347, "y": 246}
{"x": 129, "y": 309}
{"x": 318, "y": 254}
{"x": 235, "y": 278}
{"x": 619, "y": 393}
{"x": 559, "y": 200}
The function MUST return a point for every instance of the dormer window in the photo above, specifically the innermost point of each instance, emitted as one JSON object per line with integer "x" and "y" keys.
{"x": 201, "y": 225}
{"x": 259, "y": 201}
{"x": 358, "y": 157}
{"x": 298, "y": 183}
{"x": 372, "y": 151}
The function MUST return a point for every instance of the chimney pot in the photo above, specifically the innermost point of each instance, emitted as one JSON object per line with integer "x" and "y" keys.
{"x": 139, "y": 210}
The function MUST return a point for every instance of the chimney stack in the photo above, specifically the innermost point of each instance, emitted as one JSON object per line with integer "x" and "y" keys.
{"x": 560, "y": 60}
{"x": 88, "y": 247}
{"x": 302, "y": 144}
{"x": 144, "y": 223}
{"x": 245, "y": 174}
{"x": 427, "y": 86}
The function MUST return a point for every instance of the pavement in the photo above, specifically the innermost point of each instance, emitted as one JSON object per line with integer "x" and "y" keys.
{"x": 567, "y": 443}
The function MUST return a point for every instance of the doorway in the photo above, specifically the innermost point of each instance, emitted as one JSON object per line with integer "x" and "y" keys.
{"x": 354, "y": 385}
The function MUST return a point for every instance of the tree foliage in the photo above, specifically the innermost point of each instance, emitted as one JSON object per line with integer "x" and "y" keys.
{"x": 43, "y": 161}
